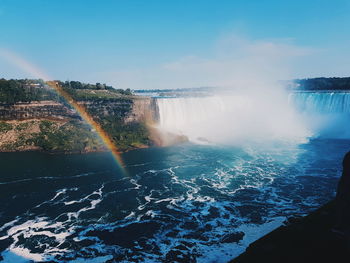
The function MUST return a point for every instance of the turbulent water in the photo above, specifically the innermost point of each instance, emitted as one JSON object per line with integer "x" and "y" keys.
{"x": 186, "y": 203}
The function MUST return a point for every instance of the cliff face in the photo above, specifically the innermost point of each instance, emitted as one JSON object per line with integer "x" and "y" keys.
{"x": 37, "y": 109}
{"x": 119, "y": 108}
{"x": 144, "y": 110}
{"x": 131, "y": 110}
{"x": 53, "y": 126}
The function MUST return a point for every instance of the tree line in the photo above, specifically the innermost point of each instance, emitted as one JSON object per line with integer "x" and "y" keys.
{"x": 324, "y": 84}
{"x": 13, "y": 91}
{"x": 98, "y": 86}
{"x": 28, "y": 90}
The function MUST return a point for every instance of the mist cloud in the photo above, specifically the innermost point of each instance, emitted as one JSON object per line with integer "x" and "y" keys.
{"x": 234, "y": 62}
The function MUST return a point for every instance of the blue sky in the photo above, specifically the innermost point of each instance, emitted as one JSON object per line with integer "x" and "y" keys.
{"x": 176, "y": 43}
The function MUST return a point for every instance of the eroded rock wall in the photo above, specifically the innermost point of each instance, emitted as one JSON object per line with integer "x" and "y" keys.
{"x": 145, "y": 110}
{"x": 35, "y": 110}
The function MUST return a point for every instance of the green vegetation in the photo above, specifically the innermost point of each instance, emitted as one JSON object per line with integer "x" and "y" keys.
{"x": 73, "y": 136}
{"x": 96, "y": 95}
{"x": 125, "y": 136}
{"x": 77, "y": 85}
{"x": 13, "y": 91}
{"x": 82, "y": 91}
{"x": 22, "y": 126}
{"x": 27, "y": 90}
{"x": 5, "y": 127}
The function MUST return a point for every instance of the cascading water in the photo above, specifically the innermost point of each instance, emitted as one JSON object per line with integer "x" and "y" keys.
{"x": 321, "y": 102}
{"x": 327, "y": 114}
{"x": 233, "y": 118}
{"x": 230, "y": 119}
{"x": 195, "y": 117}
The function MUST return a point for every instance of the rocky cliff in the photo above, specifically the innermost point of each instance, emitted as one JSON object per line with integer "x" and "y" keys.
{"x": 49, "y": 123}
{"x": 36, "y": 109}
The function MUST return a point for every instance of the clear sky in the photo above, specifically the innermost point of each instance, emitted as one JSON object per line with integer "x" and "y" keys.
{"x": 176, "y": 43}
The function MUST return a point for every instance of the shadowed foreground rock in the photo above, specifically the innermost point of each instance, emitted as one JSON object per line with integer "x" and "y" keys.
{"x": 309, "y": 239}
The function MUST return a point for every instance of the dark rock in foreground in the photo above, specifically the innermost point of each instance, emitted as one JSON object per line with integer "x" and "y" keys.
{"x": 308, "y": 239}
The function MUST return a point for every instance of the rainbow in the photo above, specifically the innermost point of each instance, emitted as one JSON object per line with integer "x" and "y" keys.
{"x": 36, "y": 72}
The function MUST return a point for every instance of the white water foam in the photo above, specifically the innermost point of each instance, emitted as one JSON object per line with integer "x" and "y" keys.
{"x": 42, "y": 226}
{"x": 231, "y": 250}
{"x": 33, "y": 228}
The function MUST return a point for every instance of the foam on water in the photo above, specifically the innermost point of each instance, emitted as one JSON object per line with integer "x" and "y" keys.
{"x": 32, "y": 229}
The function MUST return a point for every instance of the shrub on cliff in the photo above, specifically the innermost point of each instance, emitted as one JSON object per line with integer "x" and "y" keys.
{"x": 4, "y": 126}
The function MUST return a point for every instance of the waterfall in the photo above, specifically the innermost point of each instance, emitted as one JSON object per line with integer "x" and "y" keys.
{"x": 326, "y": 113}
{"x": 321, "y": 102}
{"x": 183, "y": 114}
{"x": 228, "y": 118}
